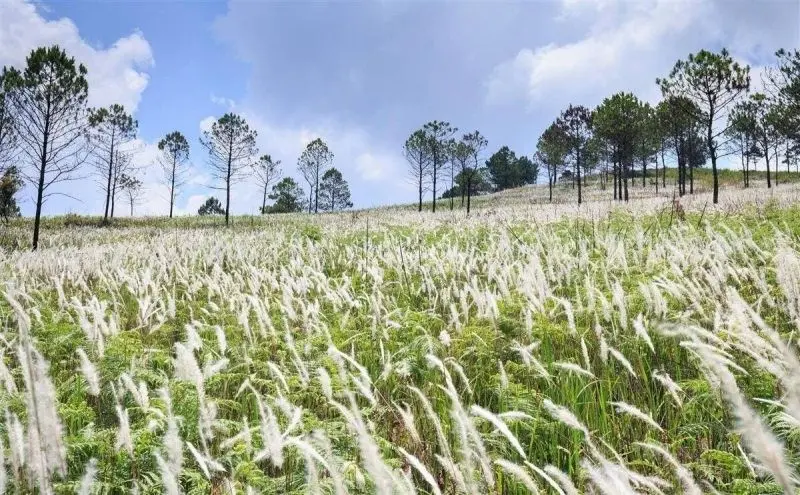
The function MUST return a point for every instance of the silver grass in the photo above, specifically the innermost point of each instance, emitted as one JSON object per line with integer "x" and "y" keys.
{"x": 434, "y": 419}
{"x": 422, "y": 470}
{"x": 167, "y": 477}
{"x": 500, "y": 425}
{"x": 684, "y": 475}
{"x": 550, "y": 481}
{"x": 623, "y": 361}
{"x": 757, "y": 437}
{"x": 641, "y": 332}
{"x": 3, "y": 474}
{"x": 89, "y": 373}
{"x": 88, "y": 477}
{"x": 123, "y": 440}
{"x": 573, "y": 368}
{"x": 503, "y": 375}
{"x": 562, "y": 479}
{"x": 520, "y": 474}
{"x": 672, "y": 388}
{"x": 630, "y": 410}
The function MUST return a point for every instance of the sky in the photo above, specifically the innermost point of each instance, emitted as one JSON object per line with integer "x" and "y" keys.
{"x": 363, "y": 75}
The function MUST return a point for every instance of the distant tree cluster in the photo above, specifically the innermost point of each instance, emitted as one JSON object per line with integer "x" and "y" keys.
{"x": 706, "y": 113}
{"x": 48, "y": 134}
{"x": 435, "y": 157}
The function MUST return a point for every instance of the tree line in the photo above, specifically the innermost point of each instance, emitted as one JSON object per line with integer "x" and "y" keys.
{"x": 49, "y": 135}
{"x": 436, "y": 159}
{"x": 707, "y": 112}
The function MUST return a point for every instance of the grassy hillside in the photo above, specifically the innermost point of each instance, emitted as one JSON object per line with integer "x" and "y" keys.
{"x": 530, "y": 347}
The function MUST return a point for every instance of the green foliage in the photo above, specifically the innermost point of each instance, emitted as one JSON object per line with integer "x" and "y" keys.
{"x": 10, "y": 184}
{"x": 334, "y": 191}
{"x": 287, "y": 197}
{"x": 506, "y": 170}
{"x": 212, "y": 206}
{"x": 231, "y": 146}
{"x": 712, "y": 82}
{"x": 312, "y": 164}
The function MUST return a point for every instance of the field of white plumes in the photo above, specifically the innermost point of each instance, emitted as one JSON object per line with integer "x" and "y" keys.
{"x": 529, "y": 348}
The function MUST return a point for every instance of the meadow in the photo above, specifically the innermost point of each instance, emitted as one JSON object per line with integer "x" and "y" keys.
{"x": 529, "y": 348}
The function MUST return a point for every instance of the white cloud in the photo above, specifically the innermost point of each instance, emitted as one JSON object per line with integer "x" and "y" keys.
{"x": 224, "y": 102}
{"x": 353, "y": 153}
{"x": 116, "y": 74}
{"x": 620, "y": 49}
{"x": 374, "y": 167}
{"x": 206, "y": 123}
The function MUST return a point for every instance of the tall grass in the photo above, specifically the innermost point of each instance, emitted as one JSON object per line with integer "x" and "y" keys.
{"x": 526, "y": 350}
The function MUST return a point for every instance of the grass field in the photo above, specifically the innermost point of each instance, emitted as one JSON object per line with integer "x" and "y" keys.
{"x": 612, "y": 348}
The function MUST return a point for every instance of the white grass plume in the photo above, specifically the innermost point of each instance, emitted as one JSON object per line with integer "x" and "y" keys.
{"x": 422, "y": 470}
{"x": 167, "y": 477}
{"x": 625, "y": 408}
{"x": 757, "y": 437}
{"x": 550, "y": 481}
{"x": 89, "y": 373}
{"x": 684, "y": 475}
{"x": 123, "y": 440}
{"x": 641, "y": 332}
{"x": 88, "y": 477}
{"x": 500, "y": 425}
{"x": 672, "y": 388}
{"x": 517, "y": 472}
{"x": 573, "y": 368}
{"x": 622, "y": 360}
{"x": 564, "y": 415}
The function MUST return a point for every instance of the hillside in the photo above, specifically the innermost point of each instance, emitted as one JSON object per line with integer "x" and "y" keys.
{"x": 526, "y": 348}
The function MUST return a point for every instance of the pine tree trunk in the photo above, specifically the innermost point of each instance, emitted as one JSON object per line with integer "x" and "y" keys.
{"x": 469, "y": 190}
{"x": 625, "y": 180}
{"x": 172, "y": 186}
{"x": 419, "y": 209}
{"x": 40, "y": 188}
{"x": 316, "y": 191}
{"x": 113, "y": 195}
{"x": 766, "y": 159}
{"x": 228, "y": 185}
{"x": 644, "y": 172}
{"x": 110, "y": 172}
{"x": 578, "y": 172}
{"x": 435, "y": 166}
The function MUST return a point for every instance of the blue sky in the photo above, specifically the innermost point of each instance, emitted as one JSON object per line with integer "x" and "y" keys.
{"x": 364, "y": 74}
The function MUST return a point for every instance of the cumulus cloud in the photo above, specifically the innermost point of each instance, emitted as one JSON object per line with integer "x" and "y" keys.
{"x": 626, "y": 45}
{"x": 117, "y": 74}
{"x": 606, "y": 56}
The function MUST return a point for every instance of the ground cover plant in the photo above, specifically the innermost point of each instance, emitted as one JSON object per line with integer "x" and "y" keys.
{"x": 649, "y": 347}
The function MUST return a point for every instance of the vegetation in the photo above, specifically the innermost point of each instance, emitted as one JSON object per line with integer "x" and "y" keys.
{"x": 287, "y": 196}
{"x": 334, "y": 191}
{"x": 173, "y": 155}
{"x": 10, "y": 183}
{"x": 500, "y": 356}
{"x": 48, "y": 100}
{"x": 312, "y": 165}
{"x": 266, "y": 171}
{"x": 231, "y": 146}
{"x": 212, "y": 206}
{"x": 110, "y": 131}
